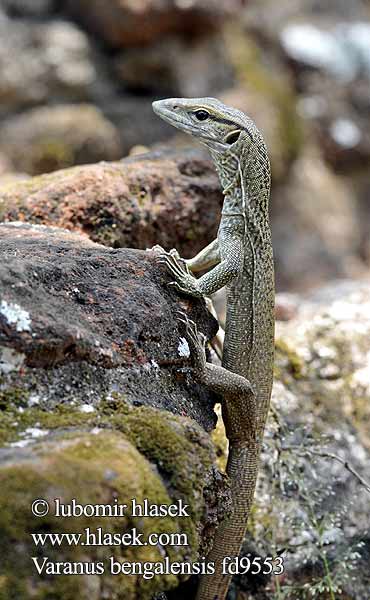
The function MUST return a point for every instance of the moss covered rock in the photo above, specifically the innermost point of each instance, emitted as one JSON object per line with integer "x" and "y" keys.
{"x": 99, "y": 468}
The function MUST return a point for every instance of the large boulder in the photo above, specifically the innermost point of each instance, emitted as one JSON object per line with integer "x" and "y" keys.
{"x": 98, "y": 405}
{"x": 83, "y": 313}
{"x": 169, "y": 198}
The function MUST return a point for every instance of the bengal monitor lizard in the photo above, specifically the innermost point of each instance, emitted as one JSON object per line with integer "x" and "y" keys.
{"x": 242, "y": 260}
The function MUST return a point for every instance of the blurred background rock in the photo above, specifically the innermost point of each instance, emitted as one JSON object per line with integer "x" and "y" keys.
{"x": 77, "y": 79}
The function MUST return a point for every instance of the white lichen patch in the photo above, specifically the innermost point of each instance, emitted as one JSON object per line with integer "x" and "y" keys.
{"x": 33, "y": 400}
{"x": 20, "y": 444}
{"x": 35, "y": 432}
{"x": 86, "y": 408}
{"x": 16, "y": 316}
{"x": 183, "y": 348}
{"x": 10, "y": 360}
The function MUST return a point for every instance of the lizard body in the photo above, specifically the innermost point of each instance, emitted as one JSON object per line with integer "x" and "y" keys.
{"x": 242, "y": 260}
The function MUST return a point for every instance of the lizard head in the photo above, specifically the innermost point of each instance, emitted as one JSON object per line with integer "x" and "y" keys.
{"x": 216, "y": 125}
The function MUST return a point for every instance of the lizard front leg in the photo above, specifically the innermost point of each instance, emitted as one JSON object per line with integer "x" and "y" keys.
{"x": 231, "y": 254}
{"x": 206, "y": 258}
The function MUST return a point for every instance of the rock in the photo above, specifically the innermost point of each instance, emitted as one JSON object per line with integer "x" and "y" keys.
{"x": 270, "y": 18}
{"x": 32, "y": 8}
{"x": 342, "y": 52}
{"x": 102, "y": 467}
{"x": 307, "y": 502}
{"x": 122, "y": 23}
{"x": 45, "y": 139}
{"x": 99, "y": 311}
{"x": 315, "y": 226}
{"x": 169, "y": 198}
{"x": 173, "y": 198}
{"x": 93, "y": 387}
{"x": 5, "y": 166}
{"x": 40, "y": 61}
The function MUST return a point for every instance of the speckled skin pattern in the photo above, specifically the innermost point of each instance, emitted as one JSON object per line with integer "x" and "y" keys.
{"x": 242, "y": 260}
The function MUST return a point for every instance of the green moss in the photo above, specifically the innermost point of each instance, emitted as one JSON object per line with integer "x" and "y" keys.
{"x": 178, "y": 450}
{"x": 94, "y": 469}
{"x": 144, "y": 446}
{"x": 51, "y": 154}
{"x": 292, "y": 363}
{"x": 13, "y": 397}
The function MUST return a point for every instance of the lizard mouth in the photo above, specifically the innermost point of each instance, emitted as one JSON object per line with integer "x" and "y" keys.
{"x": 169, "y": 115}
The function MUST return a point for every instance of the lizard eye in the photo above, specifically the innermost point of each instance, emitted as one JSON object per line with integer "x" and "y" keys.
{"x": 202, "y": 115}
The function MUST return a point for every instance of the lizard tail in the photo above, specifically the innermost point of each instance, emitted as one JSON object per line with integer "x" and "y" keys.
{"x": 242, "y": 468}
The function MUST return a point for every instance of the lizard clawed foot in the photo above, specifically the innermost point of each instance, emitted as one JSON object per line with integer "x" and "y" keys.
{"x": 197, "y": 341}
{"x": 184, "y": 282}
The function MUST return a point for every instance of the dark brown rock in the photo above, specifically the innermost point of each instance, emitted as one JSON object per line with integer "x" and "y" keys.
{"x": 166, "y": 198}
{"x": 45, "y": 139}
{"x": 93, "y": 320}
{"x": 124, "y": 23}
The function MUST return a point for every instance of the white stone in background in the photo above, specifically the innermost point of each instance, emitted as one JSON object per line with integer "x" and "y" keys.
{"x": 357, "y": 39}
{"x": 312, "y": 106}
{"x": 344, "y": 52}
{"x": 345, "y": 133}
{"x": 316, "y": 48}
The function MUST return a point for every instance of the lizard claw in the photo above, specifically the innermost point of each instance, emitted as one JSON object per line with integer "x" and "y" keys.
{"x": 196, "y": 338}
{"x": 184, "y": 282}
{"x": 156, "y": 248}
